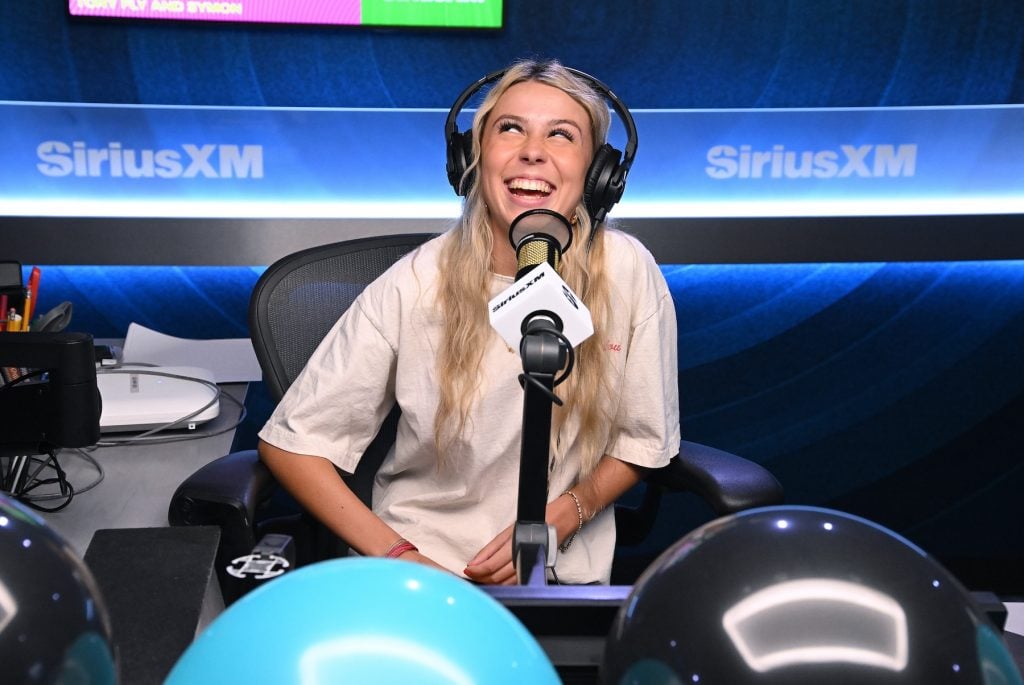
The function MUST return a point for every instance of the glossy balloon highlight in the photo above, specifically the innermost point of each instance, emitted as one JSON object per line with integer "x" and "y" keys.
{"x": 54, "y": 626}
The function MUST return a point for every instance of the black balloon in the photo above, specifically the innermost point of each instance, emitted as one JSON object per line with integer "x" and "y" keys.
{"x": 801, "y": 595}
{"x": 54, "y": 627}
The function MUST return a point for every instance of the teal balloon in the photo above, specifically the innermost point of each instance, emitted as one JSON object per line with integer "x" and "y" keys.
{"x": 378, "y": 621}
{"x": 996, "y": 663}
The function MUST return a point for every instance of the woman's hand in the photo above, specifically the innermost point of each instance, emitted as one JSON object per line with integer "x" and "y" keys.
{"x": 492, "y": 565}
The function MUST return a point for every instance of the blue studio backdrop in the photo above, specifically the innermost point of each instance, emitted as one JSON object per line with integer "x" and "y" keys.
{"x": 881, "y": 377}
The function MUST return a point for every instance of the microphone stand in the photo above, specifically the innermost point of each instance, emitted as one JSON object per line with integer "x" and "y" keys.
{"x": 543, "y": 350}
{"x": 538, "y": 235}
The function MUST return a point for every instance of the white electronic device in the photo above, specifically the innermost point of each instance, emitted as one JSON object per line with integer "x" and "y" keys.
{"x": 140, "y": 398}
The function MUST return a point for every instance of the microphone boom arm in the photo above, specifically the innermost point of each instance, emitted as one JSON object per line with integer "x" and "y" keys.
{"x": 544, "y": 351}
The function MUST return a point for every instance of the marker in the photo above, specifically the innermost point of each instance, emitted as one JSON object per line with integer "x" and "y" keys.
{"x": 31, "y": 295}
{"x": 3, "y": 313}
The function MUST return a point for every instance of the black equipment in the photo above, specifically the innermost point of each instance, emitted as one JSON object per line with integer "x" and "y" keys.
{"x": 50, "y": 398}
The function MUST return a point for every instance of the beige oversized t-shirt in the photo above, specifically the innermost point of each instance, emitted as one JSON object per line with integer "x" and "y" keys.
{"x": 383, "y": 350}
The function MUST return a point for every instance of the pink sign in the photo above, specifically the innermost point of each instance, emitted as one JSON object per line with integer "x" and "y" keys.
{"x": 272, "y": 11}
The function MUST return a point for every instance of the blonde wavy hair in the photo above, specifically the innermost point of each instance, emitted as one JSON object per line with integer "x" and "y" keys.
{"x": 465, "y": 284}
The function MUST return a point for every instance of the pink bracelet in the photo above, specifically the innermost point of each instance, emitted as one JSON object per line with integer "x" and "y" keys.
{"x": 400, "y": 547}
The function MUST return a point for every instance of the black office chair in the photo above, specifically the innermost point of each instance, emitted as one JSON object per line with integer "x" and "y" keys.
{"x": 294, "y": 304}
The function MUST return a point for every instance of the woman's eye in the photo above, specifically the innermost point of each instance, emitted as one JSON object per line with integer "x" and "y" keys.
{"x": 563, "y": 132}
{"x": 506, "y": 125}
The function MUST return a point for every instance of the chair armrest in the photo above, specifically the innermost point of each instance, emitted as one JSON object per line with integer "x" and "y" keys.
{"x": 225, "y": 493}
{"x": 729, "y": 483}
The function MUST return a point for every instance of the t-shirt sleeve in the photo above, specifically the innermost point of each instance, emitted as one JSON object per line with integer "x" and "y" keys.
{"x": 339, "y": 400}
{"x": 646, "y": 430}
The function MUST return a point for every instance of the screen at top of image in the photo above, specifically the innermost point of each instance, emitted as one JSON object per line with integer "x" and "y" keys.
{"x": 480, "y": 14}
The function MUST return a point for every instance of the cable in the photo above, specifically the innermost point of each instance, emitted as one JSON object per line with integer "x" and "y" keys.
{"x": 8, "y": 384}
{"x": 525, "y": 378}
{"x": 84, "y": 455}
{"x": 164, "y": 374}
{"x": 67, "y": 491}
{"x": 145, "y": 437}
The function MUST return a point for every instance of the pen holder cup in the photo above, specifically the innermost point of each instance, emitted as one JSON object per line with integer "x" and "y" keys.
{"x": 15, "y": 297}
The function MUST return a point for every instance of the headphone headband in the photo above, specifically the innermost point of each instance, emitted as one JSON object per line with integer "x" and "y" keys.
{"x": 606, "y": 178}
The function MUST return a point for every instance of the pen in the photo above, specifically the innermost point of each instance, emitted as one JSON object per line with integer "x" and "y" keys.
{"x": 25, "y": 307}
{"x": 3, "y": 313}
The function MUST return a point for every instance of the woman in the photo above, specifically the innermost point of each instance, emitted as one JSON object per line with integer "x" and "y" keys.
{"x": 420, "y": 336}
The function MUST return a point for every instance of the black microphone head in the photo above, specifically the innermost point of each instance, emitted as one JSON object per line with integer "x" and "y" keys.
{"x": 539, "y": 235}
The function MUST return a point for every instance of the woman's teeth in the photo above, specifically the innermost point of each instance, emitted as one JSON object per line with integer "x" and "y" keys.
{"x": 529, "y": 186}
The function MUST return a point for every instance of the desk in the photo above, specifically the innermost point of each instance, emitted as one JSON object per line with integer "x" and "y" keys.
{"x": 570, "y": 623}
{"x": 158, "y": 582}
{"x": 139, "y": 480}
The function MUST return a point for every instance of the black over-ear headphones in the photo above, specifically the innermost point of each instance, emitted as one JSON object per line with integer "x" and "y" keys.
{"x": 606, "y": 178}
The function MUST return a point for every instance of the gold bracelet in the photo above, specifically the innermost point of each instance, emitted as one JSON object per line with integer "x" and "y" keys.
{"x": 564, "y": 547}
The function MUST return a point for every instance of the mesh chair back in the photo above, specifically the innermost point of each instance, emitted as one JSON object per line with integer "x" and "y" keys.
{"x": 299, "y": 298}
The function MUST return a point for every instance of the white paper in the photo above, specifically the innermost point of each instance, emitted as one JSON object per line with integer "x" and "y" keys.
{"x": 230, "y": 360}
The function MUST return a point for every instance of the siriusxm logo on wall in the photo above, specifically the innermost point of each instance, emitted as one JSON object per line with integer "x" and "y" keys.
{"x": 57, "y": 158}
{"x": 725, "y": 161}
{"x": 111, "y": 160}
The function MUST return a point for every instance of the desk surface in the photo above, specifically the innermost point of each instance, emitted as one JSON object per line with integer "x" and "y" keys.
{"x": 139, "y": 480}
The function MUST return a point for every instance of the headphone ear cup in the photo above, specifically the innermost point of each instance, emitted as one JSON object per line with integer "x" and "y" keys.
{"x": 600, "y": 191}
{"x": 460, "y": 154}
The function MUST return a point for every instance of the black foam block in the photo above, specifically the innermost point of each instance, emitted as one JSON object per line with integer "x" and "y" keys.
{"x": 1015, "y": 643}
{"x": 154, "y": 582}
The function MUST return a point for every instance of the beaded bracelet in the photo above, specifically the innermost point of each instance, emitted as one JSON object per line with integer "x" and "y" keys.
{"x": 564, "y": 547}
{"x": 400, "y": 547}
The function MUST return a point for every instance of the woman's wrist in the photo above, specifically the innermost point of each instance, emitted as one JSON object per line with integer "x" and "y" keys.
{"x": 577, "y": 518}
{"x": 398, "y": 548}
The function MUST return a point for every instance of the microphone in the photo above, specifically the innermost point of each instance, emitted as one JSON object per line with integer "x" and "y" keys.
{"x": 540, "y": 236}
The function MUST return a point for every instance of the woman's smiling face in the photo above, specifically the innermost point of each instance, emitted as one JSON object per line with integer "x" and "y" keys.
{"x": 535, "y": 151}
